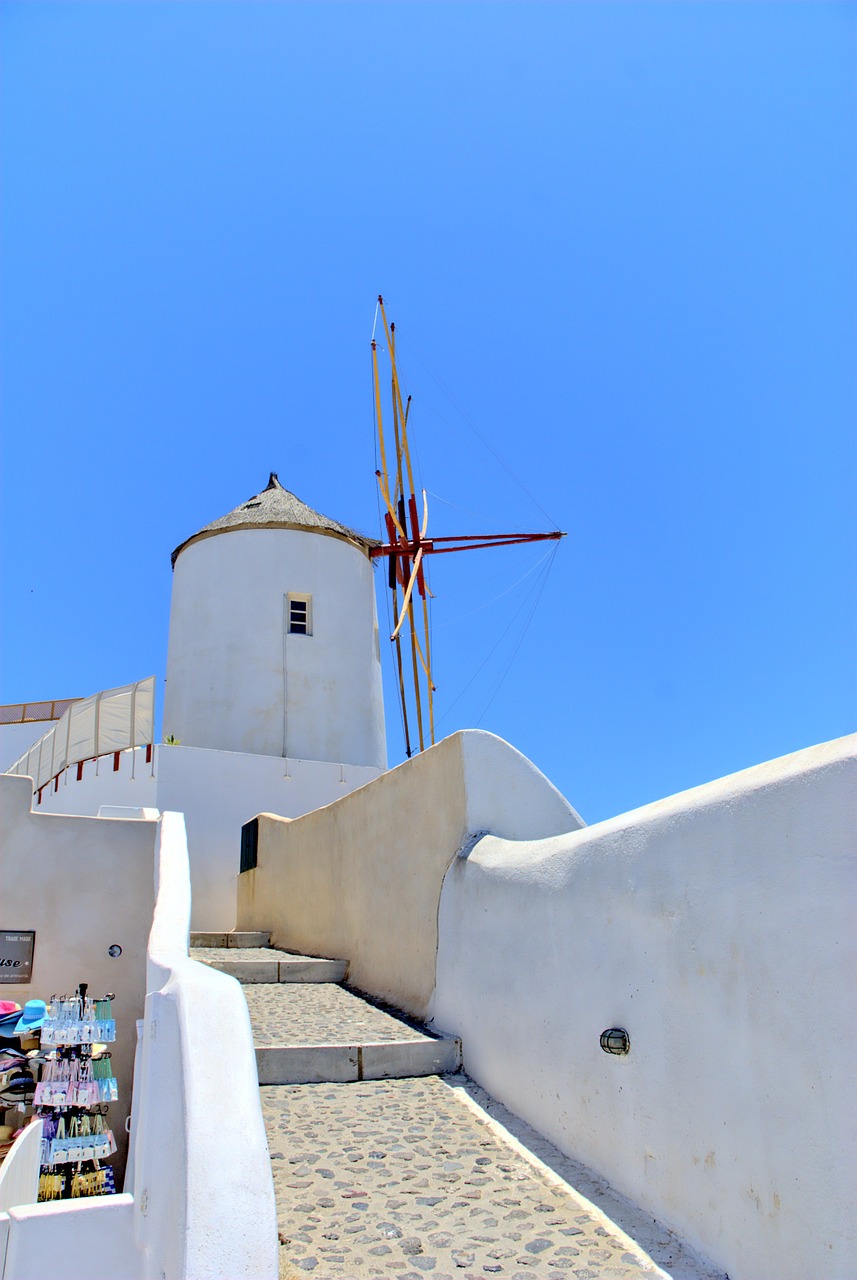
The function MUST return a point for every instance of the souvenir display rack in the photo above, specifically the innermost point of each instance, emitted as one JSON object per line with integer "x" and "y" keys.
{"x": 75, "y": 1085}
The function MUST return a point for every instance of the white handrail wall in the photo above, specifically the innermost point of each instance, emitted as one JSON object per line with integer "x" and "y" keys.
{"x": 204, "y": 1198}
{"x": 19, "y": 1173}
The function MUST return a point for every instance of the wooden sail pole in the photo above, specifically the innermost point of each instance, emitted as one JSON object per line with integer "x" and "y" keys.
{"x": 407, "y": 542}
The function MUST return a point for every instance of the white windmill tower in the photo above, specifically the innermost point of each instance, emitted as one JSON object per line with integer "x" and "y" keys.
{"x": 273, "y": 646}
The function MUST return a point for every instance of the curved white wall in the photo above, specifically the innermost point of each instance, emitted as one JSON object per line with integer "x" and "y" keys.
{"x": 362, "y": 877}
{"x": 717, "y": 927}
{"x": 204, "y": 1205}
{"x": 237, "y": 682}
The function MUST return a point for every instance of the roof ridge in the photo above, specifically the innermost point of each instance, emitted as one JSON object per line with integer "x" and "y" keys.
{"x": 276, "y": 507}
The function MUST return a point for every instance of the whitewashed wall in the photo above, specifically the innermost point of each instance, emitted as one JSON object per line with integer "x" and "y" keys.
{"x": 86, "y": 1239}
{"x": 82, "y": 884}
{"x": 237, "y": 682}
{"x": 717, "y": 927}
{"x": 133, "y": 785}
{"x": 15, "y": 739}
{"x": 204, "y": 1204}
{"x": 218, "y": 791}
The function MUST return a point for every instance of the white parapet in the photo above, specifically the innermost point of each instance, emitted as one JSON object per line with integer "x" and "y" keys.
{"x": 204, "y": 1204}
{"x": 86, "y": 1239}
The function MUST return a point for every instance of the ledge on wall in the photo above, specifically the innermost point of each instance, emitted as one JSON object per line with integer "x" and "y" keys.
{"x": 140, "y": 813}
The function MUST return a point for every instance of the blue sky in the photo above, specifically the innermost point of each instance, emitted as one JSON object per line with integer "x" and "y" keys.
{"x": 617, "y": 240}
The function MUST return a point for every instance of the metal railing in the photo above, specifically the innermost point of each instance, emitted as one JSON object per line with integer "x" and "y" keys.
{"x": 25, "y": 712}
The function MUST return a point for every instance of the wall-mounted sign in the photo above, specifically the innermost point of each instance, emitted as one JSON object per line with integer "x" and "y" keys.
{"x": 16, "y": 955}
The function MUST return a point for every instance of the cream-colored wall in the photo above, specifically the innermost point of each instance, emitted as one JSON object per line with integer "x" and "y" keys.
{"x": 82, "y": 884}
{"x": 361, "y": 879}
{"x": 344, "y": 881}
{"x": 218, "y": 791}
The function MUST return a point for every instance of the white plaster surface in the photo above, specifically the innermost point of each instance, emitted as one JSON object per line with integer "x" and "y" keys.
{"x": 507, "y": 795}
{"x": 133, "y": 785}
{"x": 82, "y": 884}
{"x": 361, "y": 879}
{"x": 87, "y": 1239}
{"x": 237, "y": 682}
{"x": 127, "y": 811}
{"x": 19, "y": 1172}
{"x": 218, "y": 791}
{"x": 204, "y": 1199}
{"x": 717, "y": 928}
{"x": 15, "y": 739}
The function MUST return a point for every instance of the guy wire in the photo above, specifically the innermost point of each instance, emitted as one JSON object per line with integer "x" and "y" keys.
{"x": 478, "y": 433}
{"x": 541, "y": 588}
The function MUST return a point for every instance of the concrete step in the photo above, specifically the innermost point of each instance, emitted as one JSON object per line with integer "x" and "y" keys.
{"x": 267, "y": 964}
{"x": 230, "y": 939}
{"x": 346, "y": 1064}
{"x": 321, "y": 1033}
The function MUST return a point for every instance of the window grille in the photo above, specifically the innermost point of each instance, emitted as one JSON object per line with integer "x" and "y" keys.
{"x": 249, "y": 844}
{"x": 300, "y": 615}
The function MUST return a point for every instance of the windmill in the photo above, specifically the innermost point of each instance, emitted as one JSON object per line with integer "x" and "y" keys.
{"x": 407, "y": 545}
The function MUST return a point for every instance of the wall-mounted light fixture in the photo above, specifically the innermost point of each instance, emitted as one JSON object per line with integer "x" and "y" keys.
{"x": 615, "y": 1040}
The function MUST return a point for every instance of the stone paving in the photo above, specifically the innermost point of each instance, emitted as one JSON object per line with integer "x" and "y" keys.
{"x": 319, "y": 1013}
{"x": 216, "y": 955}
{"x": 402, "y": 1179}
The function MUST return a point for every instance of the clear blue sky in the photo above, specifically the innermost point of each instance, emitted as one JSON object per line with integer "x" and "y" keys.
{"x": 618, "y": 240}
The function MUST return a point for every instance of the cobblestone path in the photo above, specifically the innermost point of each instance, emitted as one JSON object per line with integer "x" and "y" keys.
{"x": 211, "y": 955}
{"x": 403, "y": 1179}
{"x": 318, "y": 1013}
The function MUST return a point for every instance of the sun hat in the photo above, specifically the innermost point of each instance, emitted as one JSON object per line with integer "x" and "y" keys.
{"x": 32, "y": 1017}
{"x": 8, "y": 1023}
{"x": 9, "y": 1006}
{"x": 17, "y": 1083}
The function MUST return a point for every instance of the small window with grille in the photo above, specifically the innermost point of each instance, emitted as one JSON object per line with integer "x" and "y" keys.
{"x": 300, "y": 615}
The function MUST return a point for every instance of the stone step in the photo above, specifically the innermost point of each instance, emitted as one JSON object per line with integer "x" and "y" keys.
{"x": 347, "y": 1064}
{"x": 322, "y": 1033}
{"x": 233, "y": 939}
{"x": 267, "y": 964}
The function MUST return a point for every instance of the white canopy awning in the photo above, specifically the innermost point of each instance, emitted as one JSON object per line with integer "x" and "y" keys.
{"x": 112, "y": 720}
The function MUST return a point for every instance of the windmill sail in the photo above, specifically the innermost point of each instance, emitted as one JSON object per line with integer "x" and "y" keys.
{"x": 407, "y": 545}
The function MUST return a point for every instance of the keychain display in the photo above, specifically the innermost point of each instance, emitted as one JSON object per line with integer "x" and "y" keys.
{"x": 71, "y": 1081}
{"x": 76, "y": 1083}
{"x": 79, "y": 1020}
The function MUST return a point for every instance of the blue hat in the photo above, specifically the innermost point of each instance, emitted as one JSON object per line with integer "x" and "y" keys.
{"x": 32, "y": 1016}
